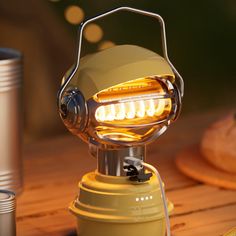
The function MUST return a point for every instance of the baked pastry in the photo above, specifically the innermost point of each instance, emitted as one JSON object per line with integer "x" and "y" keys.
{"x": 218, "y": 144}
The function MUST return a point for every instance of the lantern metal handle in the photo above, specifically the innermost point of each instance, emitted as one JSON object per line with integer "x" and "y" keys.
{"x": 146, "y": 13}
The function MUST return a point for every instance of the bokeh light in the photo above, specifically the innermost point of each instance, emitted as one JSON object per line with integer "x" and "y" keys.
{"x": 106, "y": 44}
{"x": 74, "y": 14}
{"x": 93, "y": 33}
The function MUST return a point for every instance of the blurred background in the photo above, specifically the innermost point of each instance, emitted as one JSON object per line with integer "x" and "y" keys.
{"x": 201, "y": 37}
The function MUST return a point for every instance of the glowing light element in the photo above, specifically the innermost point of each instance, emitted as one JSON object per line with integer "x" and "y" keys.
{"x": 74, "y": 14}
{"x": 135, "y": 88}
{"x": 101, "y": 114}
{"x": 120, "y": 111}
{"x": 151, "y": 108}
{"x": 140, "y": 109}
{"x": 93, "y": 33}
{"x": 132, "y": 110}
{"x": 110, "y": 113}
{"x": 160, "y": 107}
{"x": 144, "y": 198}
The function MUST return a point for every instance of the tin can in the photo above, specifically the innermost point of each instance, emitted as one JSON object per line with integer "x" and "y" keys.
{"x": 10, "y": 120}
{"x": 7, "y": 213}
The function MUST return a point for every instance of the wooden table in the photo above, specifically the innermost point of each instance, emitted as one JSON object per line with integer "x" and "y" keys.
{"x": 53, "y": 168}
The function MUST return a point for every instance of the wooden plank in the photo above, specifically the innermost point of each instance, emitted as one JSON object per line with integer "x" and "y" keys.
{"x": 57, "y": 186}
{"x": 213, "y": 222}
{"x": 57, "y": 223}
{"x": 187, "y": 200}
{"x": 201, "y": 197}
{"x": 53, "y": 168}
{"x": 67, "y": 156}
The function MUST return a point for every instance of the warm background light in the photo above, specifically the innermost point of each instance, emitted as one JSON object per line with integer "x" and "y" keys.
{"x": 60, "y": 36}
{"x": 74, "y": 14}
{"x": 93, "y": 33}
{"x": 106, "y": 44}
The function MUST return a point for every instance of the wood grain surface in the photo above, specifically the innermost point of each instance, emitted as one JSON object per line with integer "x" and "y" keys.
{"x": 53, "y": 168}
{"x": 192, "y": 163}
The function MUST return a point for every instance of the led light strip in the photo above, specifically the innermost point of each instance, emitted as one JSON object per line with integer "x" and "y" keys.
{"x": 131, "y": 110}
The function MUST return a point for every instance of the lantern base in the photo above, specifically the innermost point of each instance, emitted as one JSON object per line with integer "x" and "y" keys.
{"x": 88, "y": 228}
{"x": 116, "y": 206}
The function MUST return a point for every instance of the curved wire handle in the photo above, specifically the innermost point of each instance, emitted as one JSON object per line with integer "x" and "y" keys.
{"x": 146, "y": 13}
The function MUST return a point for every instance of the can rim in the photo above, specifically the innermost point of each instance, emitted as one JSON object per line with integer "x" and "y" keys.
{"x": 7, "y": 204}
{"x": 9, "y": 55}
{"x": 11, "y": 195}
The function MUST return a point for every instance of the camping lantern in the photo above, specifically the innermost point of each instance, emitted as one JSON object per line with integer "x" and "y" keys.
{"x": 118, "y": 100}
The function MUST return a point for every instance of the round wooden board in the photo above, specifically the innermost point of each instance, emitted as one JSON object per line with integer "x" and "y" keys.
{"x": 232, "y": 232}
{"x": 192, "y": 163}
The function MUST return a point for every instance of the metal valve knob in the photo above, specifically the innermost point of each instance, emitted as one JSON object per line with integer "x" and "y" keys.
{"x": 73, "y": 110}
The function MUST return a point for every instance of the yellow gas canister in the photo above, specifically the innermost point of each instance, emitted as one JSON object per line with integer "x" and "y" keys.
{"x": 109, "y": 205}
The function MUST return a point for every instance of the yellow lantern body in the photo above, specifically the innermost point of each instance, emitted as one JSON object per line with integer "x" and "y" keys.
{"x": 109, "y": 205}
{"x": 129, "y": 95}
{"x": 118, "y": 100}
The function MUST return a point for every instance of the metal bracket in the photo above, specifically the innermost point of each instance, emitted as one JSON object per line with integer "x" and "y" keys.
{"x": 146, "y": 13}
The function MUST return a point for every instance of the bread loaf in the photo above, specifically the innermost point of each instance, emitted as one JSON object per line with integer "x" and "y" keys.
{"x": 218, "y": 144}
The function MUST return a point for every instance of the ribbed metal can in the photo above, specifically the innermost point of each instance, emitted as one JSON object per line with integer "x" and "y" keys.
{"x": 11, "y": 120}
{"x": 7, "y": 213}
